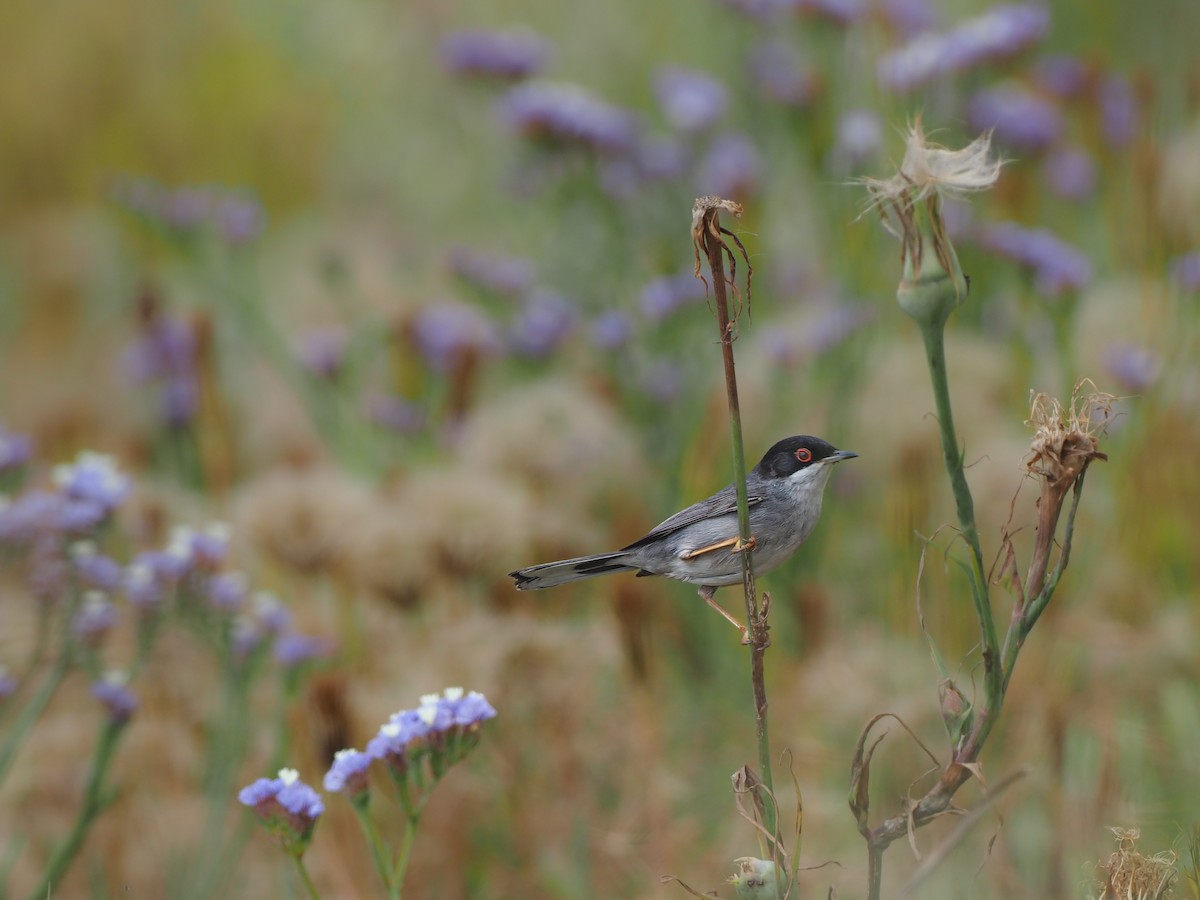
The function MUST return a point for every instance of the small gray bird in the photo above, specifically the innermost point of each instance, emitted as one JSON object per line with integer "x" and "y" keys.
{"x": 700, "y": 544}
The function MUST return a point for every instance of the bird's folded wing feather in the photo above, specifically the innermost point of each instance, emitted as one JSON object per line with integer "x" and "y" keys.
{"x": 723, "y": 503}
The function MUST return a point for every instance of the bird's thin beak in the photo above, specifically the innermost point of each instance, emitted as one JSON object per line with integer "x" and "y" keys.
{"x": 840, "y": 455}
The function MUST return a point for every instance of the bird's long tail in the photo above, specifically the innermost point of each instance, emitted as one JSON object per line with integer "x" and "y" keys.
{"x": 564, "y": 571}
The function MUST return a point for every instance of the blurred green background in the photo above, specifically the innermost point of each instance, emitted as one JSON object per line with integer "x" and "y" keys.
{"x": 303, "y": 185}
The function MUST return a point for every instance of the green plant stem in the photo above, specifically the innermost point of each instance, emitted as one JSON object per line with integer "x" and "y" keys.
{"x": 402, "y": 856}
{"x": 93, "y": 805}
{"x": 378, "y": 851}
{"x": 306, "y": 878}
{"x": 32, "y": 711}
{"x": 935, "y": 355}
{"x": 714, "y": 249}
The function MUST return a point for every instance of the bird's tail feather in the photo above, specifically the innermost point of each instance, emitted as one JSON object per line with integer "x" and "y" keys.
{"x": 564, "y": 571}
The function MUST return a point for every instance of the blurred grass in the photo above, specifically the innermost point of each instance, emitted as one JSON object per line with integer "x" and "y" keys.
{"x": 370, "y": 162}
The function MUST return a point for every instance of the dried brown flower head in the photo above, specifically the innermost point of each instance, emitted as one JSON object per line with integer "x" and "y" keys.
{"x": 1066, "y": 439}
{"x": 1129, "y": 875}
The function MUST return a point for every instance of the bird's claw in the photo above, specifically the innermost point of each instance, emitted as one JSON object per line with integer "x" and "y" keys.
{"x": 742, "y": 546}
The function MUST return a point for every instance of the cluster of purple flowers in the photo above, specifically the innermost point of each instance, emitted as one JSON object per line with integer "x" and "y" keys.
{"x": 1019, "y": 117}
{"x": 1001, "y": 32}
{"x": 15, "y": 450}
{"x": 443, "y": 728}
{"x": 287, "y": 806}
{"x": 1056, "y": 265}
{"x": 692, "y": 101}
{"x": 165, "y": 353}
{"x": 85, "y": 495}
{"x": 508, "y": 276}
{"x": 495, "y": 55}
{"x": 565, "y": 114}
{"x": 234, "y": 215}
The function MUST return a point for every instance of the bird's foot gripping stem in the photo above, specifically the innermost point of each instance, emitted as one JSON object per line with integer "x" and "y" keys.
{"x": 707, "y": 592}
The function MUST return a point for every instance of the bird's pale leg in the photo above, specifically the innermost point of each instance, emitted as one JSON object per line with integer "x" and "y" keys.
{"x": 707, "y": 591}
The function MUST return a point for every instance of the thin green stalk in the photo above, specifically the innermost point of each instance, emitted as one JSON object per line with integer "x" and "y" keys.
{"x": 707, "y": 234}
{"x": 306, "y": 878}
{"x": 378, "y": 850}
{"x": 935, "y": 355}
{"x": 401, "y": 865}
{"x": 32, "y": 711}
{"x": 93, "y": 805}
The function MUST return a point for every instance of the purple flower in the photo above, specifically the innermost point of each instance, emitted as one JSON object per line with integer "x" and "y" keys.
{"x": 322, "y": 352}
{"x": 8, "y": 684}
{"x": 1070, "y": 173}
{"x": 731, "y": 168}
{"x": 692, "y": 101}
{"x": 394, "y": 413}
{"x": 858, "y": 140}
{"x": 165, "y": 348}
{"x": 610, "y": 330}
{"x": 227, "y": 591}
{"x": 1065, "y": 77}
{"x": 15, "y": 450}
{"x": 113, "y": 691}
{"x": 1185, "y": 271}
{"x": 501, "y": 55}
{"x": 95, "y": 619}
{"x": 1136, "y": 368}
{"x": 143, "y": 586}
{"x": 287, "y": 806}
{"x": 186, "y": 208}
{"x": 270, "y": 614}
{"x": 179, "y": 401}
{"x": 1119, "y": 112}
{"x": 397, "y": 737}
{"x": 239, "y": 218}
{"x": 93, "y": 478}
{"x": 1021, "y": 119}
{"x": 1001, "y": 32}
{"x": 568, "y": 115}
{"x": 665, "y": 296}
{"x": 349, "y": 773}
{"x": 909, "y": 17}
{"x": 95, "y": 569}
{"x": 294, "y": 649}
{"x": 467, "y": 710}
{"x": 544, "y": 322}
{"x": 445, "y": 330}
{"x": 1057, "y": 265}
{"x": 831, "y": 328}
{"x": 843, "y": 12}
{"x": 508, "y": 276}
{"x": 210, "y": 546}
{"x": 780, "y": 74}
{"x": 245, "y": 636}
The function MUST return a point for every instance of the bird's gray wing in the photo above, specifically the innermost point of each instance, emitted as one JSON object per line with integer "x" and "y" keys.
{"x": 722, "y": 503}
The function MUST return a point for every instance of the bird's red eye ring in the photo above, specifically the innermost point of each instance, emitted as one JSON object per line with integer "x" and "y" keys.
{"x": 804, "y": 455}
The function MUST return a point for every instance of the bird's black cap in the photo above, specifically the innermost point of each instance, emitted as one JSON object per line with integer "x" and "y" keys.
{"x": 798, "y": 452}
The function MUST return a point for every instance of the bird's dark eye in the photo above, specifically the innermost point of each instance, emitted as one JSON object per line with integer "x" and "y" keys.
{"x": 804, "y": 455}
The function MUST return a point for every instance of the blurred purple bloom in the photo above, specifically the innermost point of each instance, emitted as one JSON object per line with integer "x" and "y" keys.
{"x": 777, "y": 69}
{"x": 227, "y": 591}
{"x": 113, "y": 691}
{"x": 1001, "y": 32}
{"x": 909, "y": 17}
{"x": 665, "y": 296}
{"x": 94, "y": 619}
{"x": 15, "y": 450}
{"x": 1070, "y": 173}
{"x": 502, "y": 55}
{"x": 691, "y": 100}
{"x": 166, "y": 347}
{"x": 509, "y": 276}
{"x": 95, "y": 569}
{"x": 8, "y": 684}
{"x": 731, "y": 168}
{"x": 568, "y": 114}
{"x": 93, "y": 478}
{"x": 1185, "y": 271}
{"x": 143, "y": 587}
{"x": 467, "y": 710}
{"x": 830, "y": 329}
{"x": 843, "y": 12}
{"x": 542, "y": 324}
{"x": 179, "y": 401}
{"x": 858, "y": 140}
{"x": 1066, "y": 77}
{"x": 349, "y": 773}
{"x": 652, "y": 159}
{"x": 294, "y": 649}
{"x": 1119, "y": 113}
{"x": 1057, "y": 265}
{"x": 662, "y": 381}
{"x": 1136, "y": 368}
{"x": 271, "y": 614}
{"x": 394, "y": 413}
{"x": 761, "y": 11}
{"x": 610, "y": 330}
{"x": 287, "y": 805}
{"x": 322, "y": 352}
{"x": 210, "y": 546}
{"x": 187, "y": 207}
{"x": 1021, "y": 119}
{"x": 393, "y": 741}
{"x": 245, "y": 636}
{"x": 443, "y": 331}
{"x": 239, "y": 218}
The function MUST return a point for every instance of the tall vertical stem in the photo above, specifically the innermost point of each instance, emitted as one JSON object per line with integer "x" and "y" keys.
{"x": 714, "y": 248}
